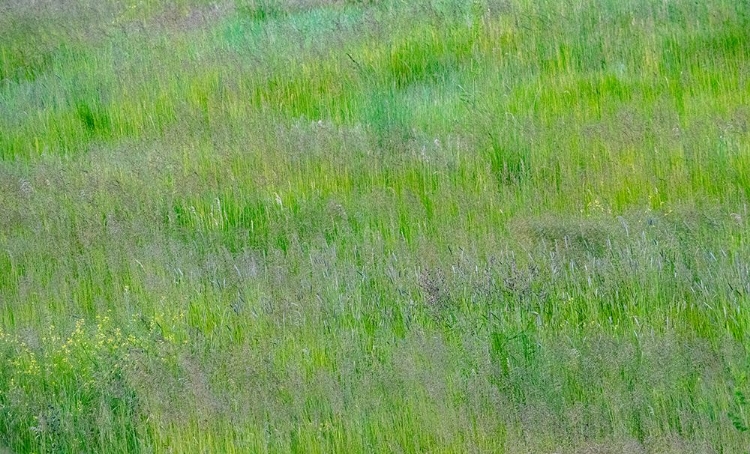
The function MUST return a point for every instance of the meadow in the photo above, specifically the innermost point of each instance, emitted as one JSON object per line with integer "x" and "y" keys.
{"x": 360, "y": 226}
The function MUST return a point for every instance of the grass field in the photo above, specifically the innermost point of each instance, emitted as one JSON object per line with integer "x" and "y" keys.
{"x": 367, "y": 226}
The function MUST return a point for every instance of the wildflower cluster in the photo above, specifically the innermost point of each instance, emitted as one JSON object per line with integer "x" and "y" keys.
{"x": 63, "y": 379}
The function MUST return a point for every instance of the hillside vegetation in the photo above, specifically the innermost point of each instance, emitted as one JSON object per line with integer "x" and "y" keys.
{"x": 374, "y": 226}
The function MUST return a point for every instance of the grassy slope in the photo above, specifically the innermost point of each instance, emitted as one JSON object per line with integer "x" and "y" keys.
{"x": 374, "y": 226}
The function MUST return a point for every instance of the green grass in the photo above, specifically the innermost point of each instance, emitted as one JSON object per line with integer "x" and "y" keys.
{"x": 374, "y": 226}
